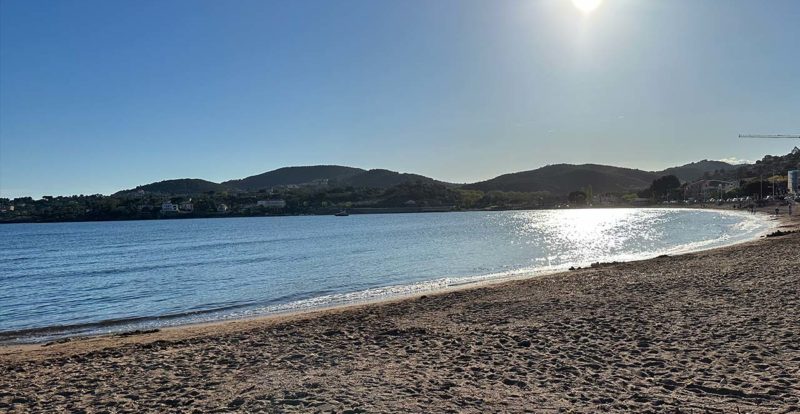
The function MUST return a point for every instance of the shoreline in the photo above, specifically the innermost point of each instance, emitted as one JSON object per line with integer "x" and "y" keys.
{"x": 715, "y": 330}
{"x": 40, "y": 336}
{"x": 398, "y": 210}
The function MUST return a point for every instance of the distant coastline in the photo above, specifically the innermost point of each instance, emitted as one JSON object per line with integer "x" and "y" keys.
{"x": 329, "y": 189}
{"x": 379, "y": 210}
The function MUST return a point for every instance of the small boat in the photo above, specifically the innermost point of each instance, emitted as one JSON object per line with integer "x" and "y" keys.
{"x": 342, "y": 213}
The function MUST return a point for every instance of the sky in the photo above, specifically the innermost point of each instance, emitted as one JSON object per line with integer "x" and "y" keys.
{"x": 99, "y": 96}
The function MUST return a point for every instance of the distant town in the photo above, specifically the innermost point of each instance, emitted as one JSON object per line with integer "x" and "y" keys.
{"x": 334, "y": 189}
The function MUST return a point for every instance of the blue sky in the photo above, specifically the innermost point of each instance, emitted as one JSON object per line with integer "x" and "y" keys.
{"x": 97, "y": 96}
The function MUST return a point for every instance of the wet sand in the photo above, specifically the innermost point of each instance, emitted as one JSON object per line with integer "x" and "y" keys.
{"x": 714, "y": 331}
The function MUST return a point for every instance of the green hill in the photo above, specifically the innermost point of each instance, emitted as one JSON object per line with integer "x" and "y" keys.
{"x": 179, "y": 186}
{"x": 384, "y": 178}
{"x": 556, "y": 179}
{"x": 564, "y": 178}
{"x": 294, "y": 175}
{"x": 772, "y": 164}
{"x": 337, "y": 176}
{"x": 696, "y": 170}
{"x": 766, "y": 167}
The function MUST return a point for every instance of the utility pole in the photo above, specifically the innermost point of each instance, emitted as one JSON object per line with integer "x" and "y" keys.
{"x": 773, "y": 184}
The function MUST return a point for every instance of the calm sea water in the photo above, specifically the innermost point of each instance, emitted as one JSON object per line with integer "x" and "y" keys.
{"x": 80, "y": 278}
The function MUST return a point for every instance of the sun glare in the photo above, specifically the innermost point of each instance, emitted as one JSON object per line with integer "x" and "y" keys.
{"x": 587, "y": 6}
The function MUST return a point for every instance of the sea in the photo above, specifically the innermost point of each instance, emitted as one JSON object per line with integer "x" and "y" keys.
{"x": 65, "y": 279}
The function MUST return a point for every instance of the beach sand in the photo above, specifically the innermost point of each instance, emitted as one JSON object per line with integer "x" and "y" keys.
{"x": 713, "y": 331}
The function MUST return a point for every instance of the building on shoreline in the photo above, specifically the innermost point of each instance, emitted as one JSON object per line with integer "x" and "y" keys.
{"x": 793, "y": 181}
{"x": 705, "y": 189}
{"x": 168, "y": 207}
{"x": 186, "y": 207}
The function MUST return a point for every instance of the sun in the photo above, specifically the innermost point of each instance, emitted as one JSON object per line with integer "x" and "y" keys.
{"x": 587, "y": 6}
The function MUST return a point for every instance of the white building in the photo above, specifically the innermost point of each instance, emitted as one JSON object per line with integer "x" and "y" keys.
{"x": 271, "y": 203}
{"x": 606, "y": 199}
{"x": 187, "y": 207}
{"x": 705, "y": 189}
{"x": 794, "y": 181}
{"x": 168, "y": 207}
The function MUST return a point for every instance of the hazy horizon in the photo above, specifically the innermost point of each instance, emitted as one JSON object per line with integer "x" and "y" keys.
{"x": 97, "y": 97}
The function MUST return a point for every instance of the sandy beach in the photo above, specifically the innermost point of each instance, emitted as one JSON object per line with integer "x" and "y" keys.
{"x": 713, "y": 331}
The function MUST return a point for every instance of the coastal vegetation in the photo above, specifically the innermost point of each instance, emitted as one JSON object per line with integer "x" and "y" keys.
{"x": 414, "y": 196}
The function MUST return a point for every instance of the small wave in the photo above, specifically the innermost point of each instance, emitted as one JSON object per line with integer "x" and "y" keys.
{"x": 34, "y": 335}
{"x": 16, "y": 259}
{"x": 130, "y": 268}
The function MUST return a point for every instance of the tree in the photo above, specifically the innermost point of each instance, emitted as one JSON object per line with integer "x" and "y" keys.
{"x": 469, "y": 198}
{"x": 589, "y": 194}
{"x": 577, "y": 197}
{"x": 665, "y": 185}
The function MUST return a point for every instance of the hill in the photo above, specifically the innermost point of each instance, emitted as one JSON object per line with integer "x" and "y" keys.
{"x": 557, "y": 179}
{"x": 179, "y": 186}
{"x": 766, "y": 167}
{"x": 564, "y": 178}
{"x": 294, "y": 175}
{"x": 696, "y": 170}
{"x": 379, "y": 178}
{"x": 336, "y": 175}
{"x": 772, "y": 164}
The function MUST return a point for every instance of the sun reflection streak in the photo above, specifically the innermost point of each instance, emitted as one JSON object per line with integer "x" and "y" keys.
{"x": 589, "y": 234}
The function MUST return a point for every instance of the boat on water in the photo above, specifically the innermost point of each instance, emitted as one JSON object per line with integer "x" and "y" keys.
{"x": 342, "y": 213}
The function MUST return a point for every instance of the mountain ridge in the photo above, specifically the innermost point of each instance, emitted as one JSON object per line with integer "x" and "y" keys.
{"x": 178, "y": 186}
{"x": 695, "y": 170}
{"x": 554, "y": 178}
{"x": 563, "y": 178}
{"x": 293, "y": 176}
